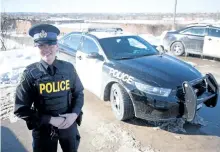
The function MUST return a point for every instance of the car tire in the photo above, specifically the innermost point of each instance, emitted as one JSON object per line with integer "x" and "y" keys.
{"x": 121, "y": 103}
{"x": 177, "y": 48}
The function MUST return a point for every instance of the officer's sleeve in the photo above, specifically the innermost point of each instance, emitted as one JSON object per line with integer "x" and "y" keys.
{"x": 23, "y": 101}
{"x": 77, "y": 93}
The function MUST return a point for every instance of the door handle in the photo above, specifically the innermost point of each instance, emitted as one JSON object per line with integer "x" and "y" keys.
{"x": 79, "y": 57}
{"x": 209, "y": 39}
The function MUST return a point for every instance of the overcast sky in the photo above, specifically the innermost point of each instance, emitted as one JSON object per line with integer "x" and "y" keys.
{"x": 111, "y": 6}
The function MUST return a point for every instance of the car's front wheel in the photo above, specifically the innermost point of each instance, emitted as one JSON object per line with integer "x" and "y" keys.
{"x": 177, "y": 48}
{"x": 121, "y": 103}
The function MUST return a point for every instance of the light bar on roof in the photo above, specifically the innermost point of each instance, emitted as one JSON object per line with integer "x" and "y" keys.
{"x": 105, "y": 30}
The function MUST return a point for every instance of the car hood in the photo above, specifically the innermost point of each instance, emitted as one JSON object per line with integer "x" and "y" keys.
{"x": 159, "y": 70}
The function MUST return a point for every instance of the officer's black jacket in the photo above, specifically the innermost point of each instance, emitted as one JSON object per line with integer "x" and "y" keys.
{"x": 26, "y": 93}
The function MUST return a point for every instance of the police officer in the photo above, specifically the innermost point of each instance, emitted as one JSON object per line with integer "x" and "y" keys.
{"x": 50, "y": 96}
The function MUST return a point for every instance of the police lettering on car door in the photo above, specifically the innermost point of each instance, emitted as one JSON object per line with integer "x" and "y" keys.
{"x": 120, "y": 75}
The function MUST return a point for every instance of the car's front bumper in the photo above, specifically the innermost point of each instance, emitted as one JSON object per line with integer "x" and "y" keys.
{"x": 193, "y": 98}
{"x": 154, "y": 108}
{"x": 183, "y": 102}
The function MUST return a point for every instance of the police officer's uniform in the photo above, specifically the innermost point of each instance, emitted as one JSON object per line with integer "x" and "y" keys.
{"x": 46, "y": 91}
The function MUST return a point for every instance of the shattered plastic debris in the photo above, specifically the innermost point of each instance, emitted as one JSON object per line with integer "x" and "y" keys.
{"x": 175, "y": 125}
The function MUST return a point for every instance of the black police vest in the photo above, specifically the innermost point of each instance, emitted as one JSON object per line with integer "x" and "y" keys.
{"x": 53, "y": 92}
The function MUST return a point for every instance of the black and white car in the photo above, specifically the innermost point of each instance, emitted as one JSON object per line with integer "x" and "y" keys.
{"x": 201, "y": 39}
{"x": 135, "y": 77}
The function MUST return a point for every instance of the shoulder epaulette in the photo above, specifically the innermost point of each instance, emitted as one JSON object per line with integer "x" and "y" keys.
{"x": 34, "y": 70}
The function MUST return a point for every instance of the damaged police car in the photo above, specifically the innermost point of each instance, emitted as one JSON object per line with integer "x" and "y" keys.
{"x": 135, "y": 77}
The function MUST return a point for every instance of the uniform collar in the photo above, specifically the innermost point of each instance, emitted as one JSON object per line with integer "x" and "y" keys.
{"x": 46, "y": 65}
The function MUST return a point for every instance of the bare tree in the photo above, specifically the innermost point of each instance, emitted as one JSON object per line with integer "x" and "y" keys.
{"x": 6, "y": 25}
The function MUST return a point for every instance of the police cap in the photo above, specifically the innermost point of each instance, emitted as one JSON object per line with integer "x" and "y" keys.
{"x": 44, "y": 33}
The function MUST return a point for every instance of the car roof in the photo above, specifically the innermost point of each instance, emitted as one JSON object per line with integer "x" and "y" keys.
{"x": 203, "y": 25}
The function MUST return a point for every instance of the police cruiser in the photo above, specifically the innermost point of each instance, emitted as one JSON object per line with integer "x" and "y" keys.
{"x": 138, "y": 79}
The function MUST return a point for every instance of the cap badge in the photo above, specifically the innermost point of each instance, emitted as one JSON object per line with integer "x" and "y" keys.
{"x": 42, "y": 34}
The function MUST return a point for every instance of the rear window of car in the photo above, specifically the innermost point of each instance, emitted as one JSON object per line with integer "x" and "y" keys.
{"x": 72, "y": 41}
{"x": 200, "y": 31}
{"x": 89, "y": 46}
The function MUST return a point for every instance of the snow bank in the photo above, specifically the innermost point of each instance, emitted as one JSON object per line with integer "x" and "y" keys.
{"x": 15, "y": 34}
{"x": 10, "y": 44}
{"x": 13, "y": 62}
{"x": 155, "y": 40}
{"x": 151, "y": 39}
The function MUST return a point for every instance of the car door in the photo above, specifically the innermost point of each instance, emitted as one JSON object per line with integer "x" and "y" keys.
{"x": 89, "y": 69}
{"x": 193, "y": 39}
{"x": 212, "y": 43}
{"x": 68, "y": 46}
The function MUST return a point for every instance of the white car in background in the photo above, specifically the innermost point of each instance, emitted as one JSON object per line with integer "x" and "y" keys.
{"x": 201, "y": 39}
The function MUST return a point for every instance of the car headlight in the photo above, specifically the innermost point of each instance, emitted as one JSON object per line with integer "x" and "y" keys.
{"x": 153, "y": 90}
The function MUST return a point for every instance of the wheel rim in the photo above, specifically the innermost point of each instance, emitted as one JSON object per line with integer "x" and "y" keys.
{"x": 116, "y": 102}
{"x": 177, "y": 49}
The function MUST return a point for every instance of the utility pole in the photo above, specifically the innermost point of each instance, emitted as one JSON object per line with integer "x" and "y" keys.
{"x": 174, "y": 16}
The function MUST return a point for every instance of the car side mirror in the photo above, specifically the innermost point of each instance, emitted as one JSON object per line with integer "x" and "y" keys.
{"x": 160, "y": 48}
{"x": 95, "y": 55}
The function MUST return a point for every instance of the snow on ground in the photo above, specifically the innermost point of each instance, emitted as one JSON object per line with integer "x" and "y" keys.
{"x": 10, "y": 44}
{"x": 12, "y": 64}
{"x": 154, "y": 40}
{"x": 151, "y": 39}
{"x": 15, "y": 34}
{"x": 13, "y": 60}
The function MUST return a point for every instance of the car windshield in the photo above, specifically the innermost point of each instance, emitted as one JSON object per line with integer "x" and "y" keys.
{"x": 126, "y": 47}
